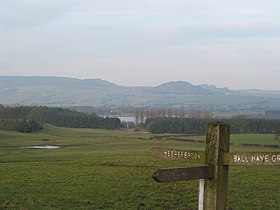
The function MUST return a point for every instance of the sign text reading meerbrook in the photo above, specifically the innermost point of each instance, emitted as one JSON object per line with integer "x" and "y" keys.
{"x": 189, "y": 155}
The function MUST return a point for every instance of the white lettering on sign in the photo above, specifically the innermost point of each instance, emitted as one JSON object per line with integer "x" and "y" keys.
{"x": 256, "y": 158}
{"x": 275, "y": 158}
{"x": 181, "y": 154}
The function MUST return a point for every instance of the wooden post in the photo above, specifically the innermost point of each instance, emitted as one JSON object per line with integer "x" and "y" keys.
{"x": 217, "y": 143}
{"x": 214, "y": 174}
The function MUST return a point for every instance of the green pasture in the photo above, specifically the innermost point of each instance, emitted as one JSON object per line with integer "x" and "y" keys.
{"x": 101, "y": 169}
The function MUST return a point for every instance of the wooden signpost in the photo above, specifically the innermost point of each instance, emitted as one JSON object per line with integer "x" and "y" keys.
{"x": 213, "y": 175}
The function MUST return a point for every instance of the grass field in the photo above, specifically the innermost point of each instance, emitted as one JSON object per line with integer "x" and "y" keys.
{"x": 98, "y": 169}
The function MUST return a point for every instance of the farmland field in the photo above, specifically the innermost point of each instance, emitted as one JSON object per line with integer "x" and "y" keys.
{"x": 101, "y": 169}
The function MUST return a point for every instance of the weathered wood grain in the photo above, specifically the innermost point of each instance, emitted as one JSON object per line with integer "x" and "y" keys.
{"x": 183, "y": 174}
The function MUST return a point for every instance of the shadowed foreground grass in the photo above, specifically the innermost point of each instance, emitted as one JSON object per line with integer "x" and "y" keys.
{"x": 99, "y": 169}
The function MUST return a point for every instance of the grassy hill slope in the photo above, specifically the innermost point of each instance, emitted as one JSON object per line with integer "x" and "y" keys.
{"x": 98, "y": 169}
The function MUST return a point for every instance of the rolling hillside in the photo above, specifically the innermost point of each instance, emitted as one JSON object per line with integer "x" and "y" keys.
{"x": 60, "y": 91}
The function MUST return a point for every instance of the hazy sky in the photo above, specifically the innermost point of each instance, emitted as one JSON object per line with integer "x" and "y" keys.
{"x": 228, "y": 43}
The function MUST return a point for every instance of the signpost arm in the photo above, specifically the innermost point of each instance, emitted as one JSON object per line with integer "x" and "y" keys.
{"x": 183, "y": 174}
{"x": 217, "y": 143}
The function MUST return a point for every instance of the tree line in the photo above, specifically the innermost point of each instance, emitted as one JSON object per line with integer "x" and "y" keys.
{"x": 29, "y": 119}
{"x": 141, "y": 114}
{"x": 198, "y": 126}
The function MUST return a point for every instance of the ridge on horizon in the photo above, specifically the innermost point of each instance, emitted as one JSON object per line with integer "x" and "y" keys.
{"x": 169, "y": 83}
{"x": 66, "y": 91}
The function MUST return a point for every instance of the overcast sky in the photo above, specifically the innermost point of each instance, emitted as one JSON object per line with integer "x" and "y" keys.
{"x": 227, "y": 43}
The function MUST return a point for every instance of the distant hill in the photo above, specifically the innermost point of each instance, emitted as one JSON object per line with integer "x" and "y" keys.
{"x": 180, "y": 87}
{"x": 214, "y": 89}
{"x": 60, "y": 91}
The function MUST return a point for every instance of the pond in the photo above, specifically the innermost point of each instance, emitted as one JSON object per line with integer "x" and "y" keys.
{"x": 41, "y": 147}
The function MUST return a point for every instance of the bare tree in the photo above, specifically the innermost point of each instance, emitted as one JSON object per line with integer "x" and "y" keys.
{"x": 137, "y": 114}
{"x": 142, "y": 115}
{"x": 182, "y": 112}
